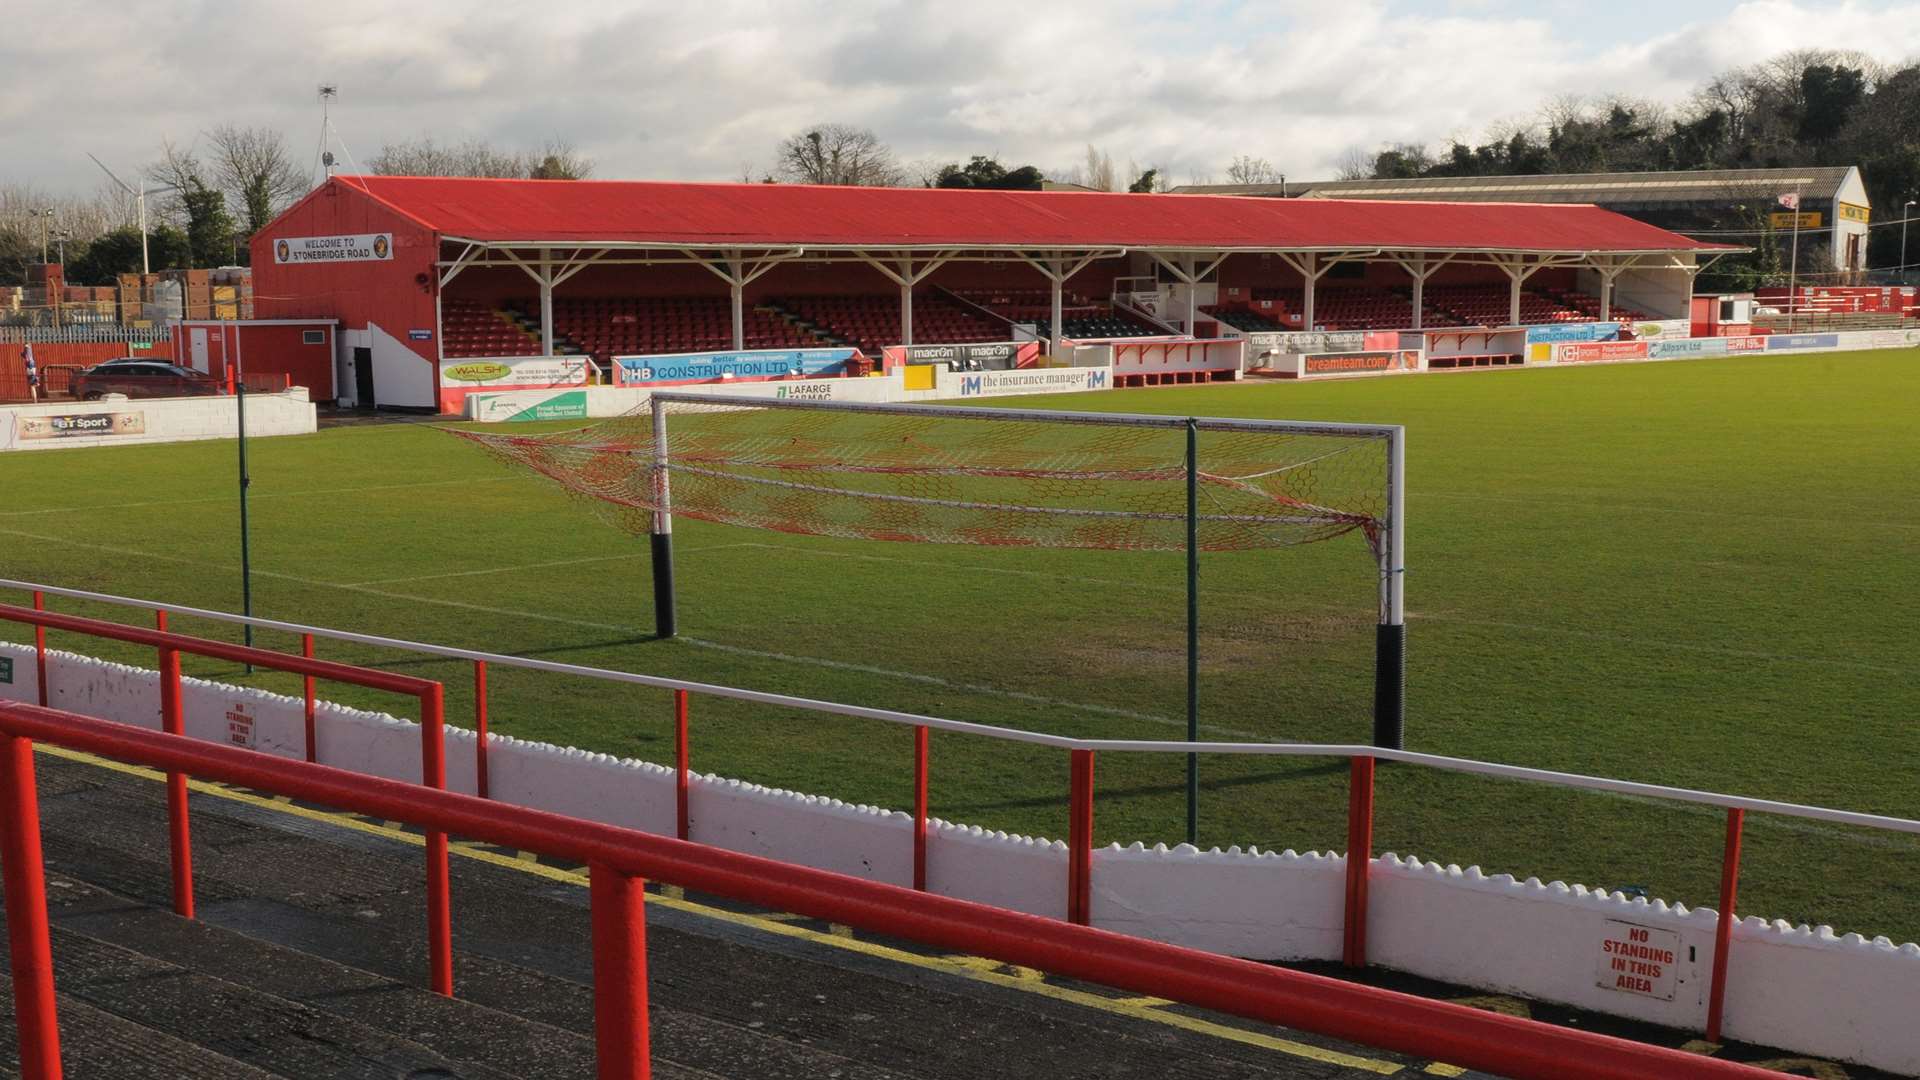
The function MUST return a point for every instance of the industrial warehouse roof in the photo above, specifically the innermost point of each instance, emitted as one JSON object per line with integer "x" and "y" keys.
{"x": 1618, "y": 188}
{"x": 533, "y": 213}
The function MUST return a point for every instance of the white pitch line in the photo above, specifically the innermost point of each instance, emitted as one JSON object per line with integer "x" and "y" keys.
{"x": 932, "y": 680}
{"x": 250, "y": 495}
{"x": 974, "y": 568}
{"x": 1682, "y": 646}
{"x": 1638, "y": 508}
{"x": 973, "y": 688}
{"x": 1594, "y": 635}
{"x": 1745, "y": 654}
{"x": 527, "y": 566}
{"x": 1802, "y": 827}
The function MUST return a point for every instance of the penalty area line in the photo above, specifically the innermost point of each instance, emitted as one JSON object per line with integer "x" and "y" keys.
{"x": 615, "y": 628}
{"x": 252, "y": 495}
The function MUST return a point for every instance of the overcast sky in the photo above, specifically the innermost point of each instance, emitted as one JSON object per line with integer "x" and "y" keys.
{"x": 699, "y": 90}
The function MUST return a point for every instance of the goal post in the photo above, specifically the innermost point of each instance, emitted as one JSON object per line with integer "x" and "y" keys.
{"x": 997, "y": 477}
{"x": 660, "y": 532}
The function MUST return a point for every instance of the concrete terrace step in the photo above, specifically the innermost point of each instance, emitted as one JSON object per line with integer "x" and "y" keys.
{"x": 306, "y": 918}
{"x": 270, "y": 1034}
{"x": 97, "y": 1043}
{"x": 464, "y": 1032}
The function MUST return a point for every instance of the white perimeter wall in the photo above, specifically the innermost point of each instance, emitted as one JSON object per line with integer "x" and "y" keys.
{"x": 606, "y": 401}
{"x": 1804, "y": 989}
{"x": 170, "y": 419}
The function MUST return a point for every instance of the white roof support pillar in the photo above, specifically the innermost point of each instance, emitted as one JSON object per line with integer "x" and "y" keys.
{"x": 449, "y": 271}
{"x": 1610, "y": 268}
{"x": 545, "y": 278}
{"x": 904, "y": 273}
{"x": 1311, "y": 271}
{"x": 733, "y": 268}
{"x": 1056, "y": 280}
{"x": 1056, "y": 267}
{"x": 1518, "y": 269}
{"x": 1420, "y": 267}
{"x": 548, "y": 276}
{"x": 737, "y": 292}
{"x": 1184, "y": 271}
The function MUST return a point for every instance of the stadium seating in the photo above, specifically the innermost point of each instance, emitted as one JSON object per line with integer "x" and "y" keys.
{"x": 1489, "y": 305}
{"x": 1359, "y": 307}
{"x": 1081, "y": 318}
{"x": 1589, "y": 306}
{"x": 643, "y": 326}
{"x": 1240, "y": 318}
{"x": 473, "y": 328}
{"x": 872, "y": 322}
{"x": 1354, "y": 307}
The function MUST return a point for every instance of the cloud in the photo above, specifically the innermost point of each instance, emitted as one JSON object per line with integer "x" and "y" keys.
{"x": 695, "y": 91}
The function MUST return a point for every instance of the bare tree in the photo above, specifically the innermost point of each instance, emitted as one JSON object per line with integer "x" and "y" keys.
{"x": 424, "y": 157}
{"x": 1355, "y": 163}
{"x": 560, "y": 161}
{"x": 837, "y": 154}
{"x": 81, "y": 219}
{"x": 1252, "y": 170}
{"x": 175, "y": 174}
{"x": 924, "y": 172}
{"x": 1098, "y": 172}
{"x": 254, "y": 169}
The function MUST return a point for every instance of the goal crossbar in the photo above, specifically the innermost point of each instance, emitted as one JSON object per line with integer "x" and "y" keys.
{"x": 1053, "y": 416}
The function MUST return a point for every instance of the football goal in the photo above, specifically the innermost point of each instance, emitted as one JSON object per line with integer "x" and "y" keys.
{"x": 941, "y": 474}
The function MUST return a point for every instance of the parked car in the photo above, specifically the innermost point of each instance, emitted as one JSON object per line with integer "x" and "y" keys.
{"x": 139, "y": 378}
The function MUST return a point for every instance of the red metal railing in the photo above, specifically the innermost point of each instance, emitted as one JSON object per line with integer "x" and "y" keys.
{"x": 433, "y": 756}
{"x": 620, "y": 860}
{"x": 1081, "y": 789}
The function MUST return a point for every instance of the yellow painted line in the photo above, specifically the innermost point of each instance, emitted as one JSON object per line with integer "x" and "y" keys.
{"x": 1442, "y": 1069}
{"x": 1700, "y": 1046}
{"x": 1820, "y": 1070}
{"x": 1143, "y": 1002}
{"x": 1025, "y": 979}
{"x": 1499, "y": 1003}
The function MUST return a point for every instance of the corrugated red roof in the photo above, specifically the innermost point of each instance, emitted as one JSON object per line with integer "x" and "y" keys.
{"x": 782, "y": 215}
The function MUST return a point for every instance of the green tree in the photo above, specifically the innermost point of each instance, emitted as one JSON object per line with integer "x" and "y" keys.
{"x": 16, "y": 251}
{"x": 210, "y": 236}
{"x": 254, "y": 168}
{"x": 117, "y": 252}
{"x": 1402, "y": 162}
{"x": 1143, "y": 184}
{"x": 1828, "y": 94}
{"x": 986, "y": 172}
{"x": 1700, "y": 143}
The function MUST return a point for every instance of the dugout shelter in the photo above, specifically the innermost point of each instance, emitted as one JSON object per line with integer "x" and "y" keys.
{"x": 442, "y": 285}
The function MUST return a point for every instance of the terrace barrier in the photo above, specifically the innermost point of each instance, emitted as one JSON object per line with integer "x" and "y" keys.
{"x": 433, "y": 755}
{"x": 620, "y": 861}
{"x": 1082, "y": 754}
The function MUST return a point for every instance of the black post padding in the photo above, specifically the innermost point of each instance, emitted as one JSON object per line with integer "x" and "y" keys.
{"x": 663, "y": 617}
{"x": 1390, "y": 686}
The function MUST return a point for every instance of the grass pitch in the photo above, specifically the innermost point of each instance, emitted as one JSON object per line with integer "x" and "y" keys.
{"x": 1695, "y": 573}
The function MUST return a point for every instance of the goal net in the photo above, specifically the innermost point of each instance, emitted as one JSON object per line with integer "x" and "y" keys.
{"x": 998, "y": 477}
